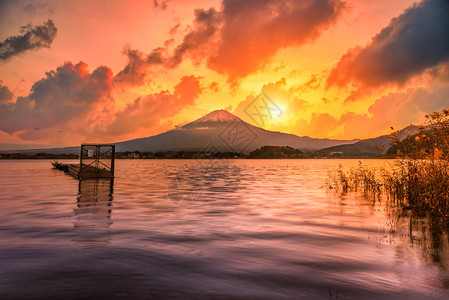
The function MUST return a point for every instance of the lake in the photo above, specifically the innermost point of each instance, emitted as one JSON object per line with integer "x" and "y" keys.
{"x": 260, "y": 229}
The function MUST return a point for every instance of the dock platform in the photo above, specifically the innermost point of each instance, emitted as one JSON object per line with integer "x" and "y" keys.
{"x": 86, "y": 171}
{"x": 95, "y": 162}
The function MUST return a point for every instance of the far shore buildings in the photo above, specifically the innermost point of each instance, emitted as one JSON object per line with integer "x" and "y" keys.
{"x": 133, "y": 155}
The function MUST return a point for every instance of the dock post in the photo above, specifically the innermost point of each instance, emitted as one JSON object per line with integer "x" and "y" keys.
{"x": 81, "y": 158}
{"x": 113, "y": 160}
{"x": 97, "y": 158}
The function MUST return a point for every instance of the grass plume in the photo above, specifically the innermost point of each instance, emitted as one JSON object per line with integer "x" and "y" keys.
{"x": 419, "y": 179}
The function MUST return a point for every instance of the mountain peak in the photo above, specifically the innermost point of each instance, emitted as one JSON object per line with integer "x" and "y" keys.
{"x": 220, "y": 115}
{"x": 213, "y": 119}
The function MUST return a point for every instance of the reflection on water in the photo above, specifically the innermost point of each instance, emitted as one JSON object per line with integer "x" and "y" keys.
{"x": 93, "y": 212}
{"x": 187, "y": 183}
{"x": 430, "y": 236}
{"x": 259, "y": 229}
{"x": 93, "y": 208}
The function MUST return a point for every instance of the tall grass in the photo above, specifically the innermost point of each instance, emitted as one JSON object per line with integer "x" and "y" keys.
{"x": 357, "y": 179}
{"x": 419, "y": 180}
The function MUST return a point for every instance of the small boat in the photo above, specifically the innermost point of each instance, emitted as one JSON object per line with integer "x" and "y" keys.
{"x": 60, "y": 166}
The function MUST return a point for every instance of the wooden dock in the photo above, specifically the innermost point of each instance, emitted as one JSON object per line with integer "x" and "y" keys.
{"x": 101, "y": 162}
{"x": 86, "y": 171}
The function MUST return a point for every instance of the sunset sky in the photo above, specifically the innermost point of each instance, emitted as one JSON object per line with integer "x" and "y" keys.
{"x": 107, "y": 71}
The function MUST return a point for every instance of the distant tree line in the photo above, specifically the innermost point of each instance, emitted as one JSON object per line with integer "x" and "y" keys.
{"x": 37, "y": 156}
{"x": 268, "y": 152}
{"x": 263, "y": 152}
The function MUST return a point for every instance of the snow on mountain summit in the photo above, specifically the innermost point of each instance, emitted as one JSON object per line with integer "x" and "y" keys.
{"x": 215, "y": 118}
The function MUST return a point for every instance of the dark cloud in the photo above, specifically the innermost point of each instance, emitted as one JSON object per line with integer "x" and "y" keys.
{"x": 5, "y": 93}
{"x": 40, "y": 7}
{"x": 29, "y": 38}
{"x": 63, "y": 95}
{"x": 416, "y": 40}
{"x": 174, "y": 29}
{"x": 196, "y": 42}
{"x": 162, "y": 4}
{"x": 136, "y": 70}
{"x": 440, "y": 72}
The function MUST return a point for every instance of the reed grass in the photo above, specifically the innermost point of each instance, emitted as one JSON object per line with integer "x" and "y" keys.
{"x": 419, "y": 180}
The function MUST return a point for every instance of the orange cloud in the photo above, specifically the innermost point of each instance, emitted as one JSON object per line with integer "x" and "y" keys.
{"x": 319, "y": 125}
{"x": 253, "y": 31}
{"x": 288, "y": 106}
{"x": 241, "y": 38}
{"x": 148, "y": 111}
{"x": 396, "y": 110}
{"x": 195, "y": 44}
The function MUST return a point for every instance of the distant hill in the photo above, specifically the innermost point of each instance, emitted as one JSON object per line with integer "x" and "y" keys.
{"x": 366, "y": 148}
{"x": 8, "y": 146}
{"x": 276, "y": 152}
{"x": 63, "y": 150}
{"x": 217, "y": 131}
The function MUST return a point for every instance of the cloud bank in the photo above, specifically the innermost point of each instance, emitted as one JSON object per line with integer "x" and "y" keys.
{"x": 68, "y": 93}
{"x": 72, "y": 103}
{"x": 194, "y": 44}
{"x": 240, "y": 38}
{"x": 398, "y": 109}
{"x": 254, "y": 30}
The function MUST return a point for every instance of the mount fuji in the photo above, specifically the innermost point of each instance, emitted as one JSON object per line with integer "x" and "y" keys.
{"x": 220, "y": 130}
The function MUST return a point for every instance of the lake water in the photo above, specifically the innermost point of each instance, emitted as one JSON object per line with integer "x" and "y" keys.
{"x": 260, "y": 229}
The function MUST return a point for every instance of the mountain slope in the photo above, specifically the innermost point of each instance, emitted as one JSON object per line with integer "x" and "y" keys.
{"x": 369, "y": 147}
